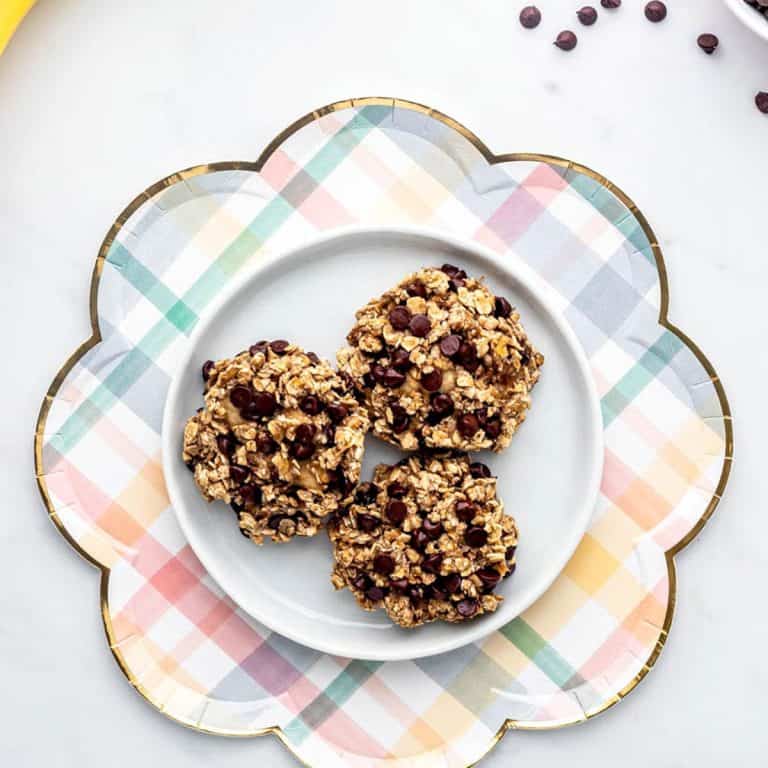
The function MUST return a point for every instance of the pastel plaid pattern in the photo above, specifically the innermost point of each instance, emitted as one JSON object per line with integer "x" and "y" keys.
{"x": 185, "y": 645}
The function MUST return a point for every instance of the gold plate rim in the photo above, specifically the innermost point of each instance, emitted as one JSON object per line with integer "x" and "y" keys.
{"x": 492, "y": 159}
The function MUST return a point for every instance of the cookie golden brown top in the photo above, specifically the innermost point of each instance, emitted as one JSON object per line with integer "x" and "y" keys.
{"x": 280, "y": 439}
{"x": 441, "y": 362}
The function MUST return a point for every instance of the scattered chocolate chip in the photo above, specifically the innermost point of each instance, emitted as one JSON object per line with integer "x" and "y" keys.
{"x": 450, "y": 345}
{"x": 419, "y": 539}
{"x": 467, "y": 608}
{"x": 465, "y": 511}
{"x": 263, "y": 404}
{"x": 397, "y": 512}
{"x": 493, "y": 427}
{"x": 587, "y": 15}
{"x": 366, "y": 494}
{"x": 399, "y": 585}
{"x": 610, "y": 4}
{"x": 399, "y": 317}
{"x": 266, "y": 444}
{"x": 383, "y": 564}
{"x": 417, "y": 288}
{"x": 241, "y": 397}
{"x": 566, "y": 40}
{"x": 207, "y": 368}
{"x": 311, "y": 405}
{"x": 420, "y": 325}
{"x": 391, "y": 378}
{"x": 708, "y": 42}
{"x": 226, "y": 444}
{"x": 361, "y": 582}
{"x": 441, "y": 405}
{"x": 476, "y": 536}
{"x": 432, "y": 563}
{"x": 501, "y": 307}
{"x": 375, "y": 594}
{"x": 478, "y": 470}
{"x": 337, "y": 412}
{"x": 530, "y": 17}
{"x": 400, "y": 360}
{"x": 490, "y": 577}
{"x": 467, "y": 354}
{"x": 432, "y": 381}
{"x": 761, "y": 101}
{"x": 396, "y": 490}
{"x": 302, "y": 451}
{"x": 259, "y": 347}
{"x": 238, "y": 474}
{"x": 467, "y": 424}
{"x": 451, "y": 582}
{"x": 400, "y": 419}
{"x": 304, "y": 433}
{"x": 433, "y": 530}
{"x": 280, "y": 346}
{"x": 655, "y": 11}
{"x": 367, "y": 523}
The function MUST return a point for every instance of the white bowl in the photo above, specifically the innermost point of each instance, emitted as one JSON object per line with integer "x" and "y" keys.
{"x": 750, "y": 17}
{"x": 548, "y": 478}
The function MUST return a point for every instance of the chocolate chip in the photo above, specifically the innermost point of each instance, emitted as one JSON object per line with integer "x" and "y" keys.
{"x": 313, "y": 357}
{"x": 263, "y": 404}
{"x": 250, "y": 493}
{"x": 434, "y": 592}
{"x": 510, "y": 553}
{"x": 493, "y": 427}
{"x": 587, "y": 15}
{"x": 400, "y": 360}
{"x": 708, "y": 42}
{"x": 311, "y": 405}
{"x": 399, "y": 317}
{"x": 566, "y": 40}
{"x": 280, "y": 346}
{"x": 655, "y": 11}
{"x": 441, "y": 405}
{"x": 392, "y": 378}
{"x": 226, "y": 444}
{"x": 467, "y": 424}
{"x": 367, "y": 523}
{"x": 416, "y": 288}
{"x": 375, "y": 594}
{"x": 761, "y": 101}
{"x": 478, "y": 470}
{"x": 266, "y": 444}
{"x": 432, "y": 563}
{"x": 450, "y": 270}
{"x": 361, "y": 582}
{"x": 397, "y": 512}
{"x": 236, "y": 506}
{"x": 450, "y": 345}
{"x": 241, "y": 397}
{"x": 302, "y": 451}
{"x": 190, "y": 465}
{"x": 400, "y": 419}
{"x": 467, "y": 608}
{"x": 420, "y": 326}
{"x": 432, "y": 381}
{"x": 467, "y": 354}
{"x": 304, "y": 433}
{"x": 238, "y": 474}
{"x": 433, "y": 530}
{"x": 339, "y": 481}
{"x": 337, "y": 412}
{"x": 419, "y": 539}
{"x": 512, "y": 569}
{"x": 369, "y": 381}
{"x": 275, "y": 520}
{"x": 530, "y": 17}
{"x": 396, "y": 490}
{"x": 366, "y": 494}
{"x": 329, "y": 433}
{"x": 383, "y": 564}
{"x": 207, "y": 368}
{"x": 455, "y": 283}
{"x": 610, "y": 4}
{"x": 416, "y": 592}
{"x": 451, "y": 583}
{"x": 259, "y": 347}
{"x": 476, "y": 536}
{"x": 465, "y": 511}
{"x": 400, "y": 585}
{"x": 490, "y": 577}
{"x": 501, "y": 307}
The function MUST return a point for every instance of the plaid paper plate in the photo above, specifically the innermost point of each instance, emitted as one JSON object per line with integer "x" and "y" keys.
{"x": 182, "y": 643}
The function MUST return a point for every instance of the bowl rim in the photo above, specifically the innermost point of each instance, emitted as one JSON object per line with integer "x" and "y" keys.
{"x": 749, "y": 17}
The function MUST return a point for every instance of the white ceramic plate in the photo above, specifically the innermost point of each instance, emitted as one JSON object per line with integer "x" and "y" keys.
{"x": 548, "y": 477}
{"x": 749, "y": 17}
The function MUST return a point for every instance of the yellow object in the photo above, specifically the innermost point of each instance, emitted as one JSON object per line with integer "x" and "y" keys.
{"x": 11, "y": 14}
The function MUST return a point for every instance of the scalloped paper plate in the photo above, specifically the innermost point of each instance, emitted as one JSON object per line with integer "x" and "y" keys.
{"x": 383, "y": 162}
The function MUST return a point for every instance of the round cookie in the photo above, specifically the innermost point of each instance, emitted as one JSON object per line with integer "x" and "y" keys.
{"x": 427, "y": 540}
{"x": 280, "y": 439}
{"x": 441, "y": 362}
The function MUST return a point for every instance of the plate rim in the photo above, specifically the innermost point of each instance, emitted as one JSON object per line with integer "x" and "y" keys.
{"x": 521, "y": 273}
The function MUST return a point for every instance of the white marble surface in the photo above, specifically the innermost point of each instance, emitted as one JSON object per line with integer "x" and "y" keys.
{"x": 97, "y": 100}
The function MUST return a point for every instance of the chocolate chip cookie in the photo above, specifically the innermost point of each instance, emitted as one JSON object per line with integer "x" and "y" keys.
{"x": 440, "y": 362}
{"x": 426, "y": 540}
{"x": 280, "y": 439}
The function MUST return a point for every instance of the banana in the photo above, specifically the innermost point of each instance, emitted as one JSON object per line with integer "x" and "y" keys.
{"x": 11, "y": 14}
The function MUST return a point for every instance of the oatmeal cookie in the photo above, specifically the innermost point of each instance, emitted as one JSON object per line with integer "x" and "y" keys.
{"x": 427, "y": 540}
{"x": 441, "y": 362}
{"x": 280, "y": 439}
